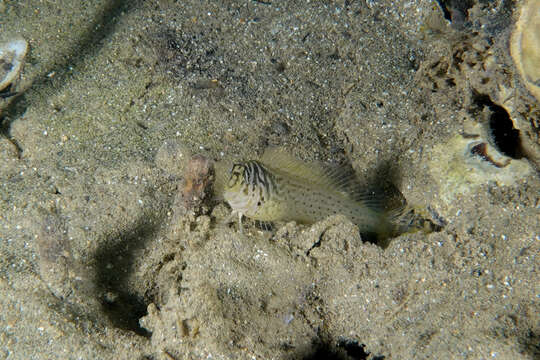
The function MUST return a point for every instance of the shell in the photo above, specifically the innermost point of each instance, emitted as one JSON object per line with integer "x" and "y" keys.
{"x": 525, "y": 46}
{"x": 12, "y": 54}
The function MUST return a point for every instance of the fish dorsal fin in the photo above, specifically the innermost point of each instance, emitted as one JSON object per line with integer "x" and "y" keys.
{"x": 332, "y": 178}
{"x": 280, "y": 161}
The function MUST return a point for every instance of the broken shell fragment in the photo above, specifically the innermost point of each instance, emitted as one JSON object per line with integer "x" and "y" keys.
{"x": 460, "y": 165}
{"x": 525, "y": 45}
{"x": 481, "y": 150}
{"x": 12, "y": 54}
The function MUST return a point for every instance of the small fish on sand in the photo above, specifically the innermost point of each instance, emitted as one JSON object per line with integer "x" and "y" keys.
{"x": 279, "y": 187}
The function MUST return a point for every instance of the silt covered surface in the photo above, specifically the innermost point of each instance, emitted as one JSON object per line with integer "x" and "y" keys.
{"x": 101, "y": 259}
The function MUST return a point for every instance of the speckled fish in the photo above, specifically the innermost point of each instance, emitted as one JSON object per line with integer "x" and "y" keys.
{"x": 279, "y": 187}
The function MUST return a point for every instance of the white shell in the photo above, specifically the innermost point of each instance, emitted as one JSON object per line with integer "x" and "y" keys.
{"x": 12, "y": 54}
{"x": 525, "y": 45}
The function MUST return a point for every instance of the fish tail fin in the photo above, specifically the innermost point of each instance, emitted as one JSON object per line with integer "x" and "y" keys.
{"x": 405, "y": 219}
{"x": 411, "y": 219}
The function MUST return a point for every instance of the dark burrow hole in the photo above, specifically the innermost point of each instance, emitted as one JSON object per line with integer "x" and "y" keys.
{"x": 344, "y": 350}
{"x": 114, "y": 266}
{"x": 503, "y": 136}
{"x": 456, "y": 11}
{"x": 125, "y": 310}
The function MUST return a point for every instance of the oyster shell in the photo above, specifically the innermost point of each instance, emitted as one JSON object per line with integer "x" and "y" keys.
{"x": 525, "y": 46}
{"x": 12, "y": 54}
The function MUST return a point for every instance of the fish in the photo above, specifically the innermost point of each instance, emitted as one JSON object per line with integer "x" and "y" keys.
{"x": 280, "y": 187}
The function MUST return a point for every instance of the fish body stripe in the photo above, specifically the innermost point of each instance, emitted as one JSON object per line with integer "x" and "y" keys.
{"x": 266, "y": 194}
{"x": 257, "y": 176}
{"x": 281, "y": 188}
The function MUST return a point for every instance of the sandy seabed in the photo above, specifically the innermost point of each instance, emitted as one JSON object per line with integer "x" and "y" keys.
{"x": 101, "y": 259}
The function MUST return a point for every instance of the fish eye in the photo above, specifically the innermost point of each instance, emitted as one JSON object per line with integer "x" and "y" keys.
{"x": 236, "y": 169}
{"x": 236, "y": 174}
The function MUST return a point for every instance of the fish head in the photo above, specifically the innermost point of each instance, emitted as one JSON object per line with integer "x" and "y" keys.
{"x": 237, "y": 192}
{"x": 237, "y": 179}
{"x": 242, "y": 193}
